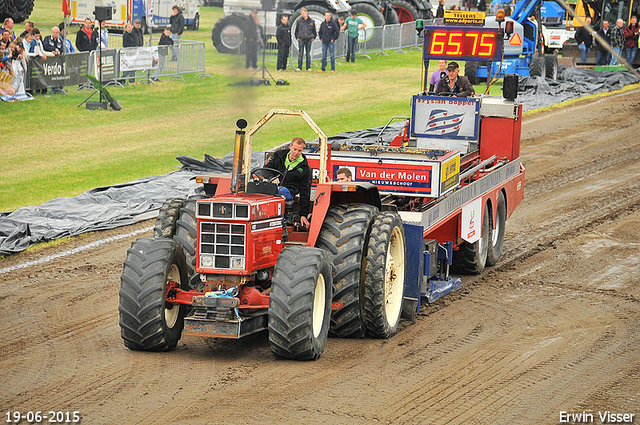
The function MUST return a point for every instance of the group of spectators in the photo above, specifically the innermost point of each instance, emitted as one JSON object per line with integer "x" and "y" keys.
{"x": 619, "y": 37}
{"x": 305, "y": 33}
{"x": 15, "y": 52}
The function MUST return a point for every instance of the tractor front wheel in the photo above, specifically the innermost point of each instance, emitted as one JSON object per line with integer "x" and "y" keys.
{"x": 147, "y": 321}
{"x": 186, "y": 234}
{"x": 300, "y": 303}
{"x": 384, "y": 283}
{"x": 167, "y": 216}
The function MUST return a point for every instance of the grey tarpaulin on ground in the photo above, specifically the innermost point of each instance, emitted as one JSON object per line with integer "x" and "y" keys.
{"x": 535, "y": 92}
{"x": 127, "y": 203}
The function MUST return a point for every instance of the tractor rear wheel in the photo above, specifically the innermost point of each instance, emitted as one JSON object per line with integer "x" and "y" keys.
{"x": 344, "y": 235}
{"x": 471, "y": 72}
{"x": 167, "y": 216}
{"x": 551, "y": 65}
{"x": 147, "y": 321}
{"x": 538, "y": 67}
{"x": 186, "y": 234}
{"x": 405, "y": 10}
{"x": 384, "y": 283}
{"x": 471, "y": 258}
{"x": 497, "y": 234}
{"x": 391, "y": 16}
{"x": 228, "y": 33}
{"x": 300, "y": 303}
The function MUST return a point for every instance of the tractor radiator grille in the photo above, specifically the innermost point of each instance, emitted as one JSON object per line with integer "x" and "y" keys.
{"x": 222, "y": 245}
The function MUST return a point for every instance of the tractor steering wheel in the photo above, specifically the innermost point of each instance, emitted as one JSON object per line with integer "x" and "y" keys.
{"x": 279, "y": 174}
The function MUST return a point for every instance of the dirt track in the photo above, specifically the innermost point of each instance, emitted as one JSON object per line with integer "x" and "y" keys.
{"x": 553, "y": 327}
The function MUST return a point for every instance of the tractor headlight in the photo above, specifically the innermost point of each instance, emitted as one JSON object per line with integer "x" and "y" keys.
{"x": 237, "y": 263}
{"x": 206, "y": 261}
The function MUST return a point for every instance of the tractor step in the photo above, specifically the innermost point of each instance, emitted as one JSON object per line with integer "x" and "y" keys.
{"x": 218, "y": 317}
{"x": 439, "y": 288}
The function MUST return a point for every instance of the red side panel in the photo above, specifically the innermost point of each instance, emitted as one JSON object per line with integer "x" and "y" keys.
{"x": 500, "y": 136}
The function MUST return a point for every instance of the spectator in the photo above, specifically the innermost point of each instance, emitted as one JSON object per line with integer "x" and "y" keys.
{"x": 440, "y": 11}
{"x": 28, "y": 43}
{"x": 5, "y": 40}
{"x": 163, "y": 51}
{"x": 87, "y": 37}
{"x": 177, "y": 27}
{"x": 353, "y": 25}
{"x": 482, "y": 5}
{"x": 454, "y": 83}
{"x": 305, "y": 34}
{"x": 28, "y": 28}
{"x": 584, "y": 39}
{"x": 297, "y": 175}
{"x": 253, "y": 39}
{"x": 328, "y": 33}
{"x": 8, "y": 25}
{"x": 604, "y": 57}
{"x": 53, "y": 43}
{"x": 138, "y": 36}
{"x": 38, "y": 49}
{"x": 344, "y": 175}
{"x": 283, "y": 35}
{"x": 129, "y": 41}
{"x": 617, "y": 40}
{"x": 455, "y": 7}
{"x": 18, "y": 65}
{"x": 438, "y": 75}
{"x": 631, "y": 39}
{"x": 103, "y": 38}
{"x": 65, "y": 31}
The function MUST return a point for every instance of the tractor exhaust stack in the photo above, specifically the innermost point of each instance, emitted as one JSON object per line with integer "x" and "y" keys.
{"x": 238, "y": 152}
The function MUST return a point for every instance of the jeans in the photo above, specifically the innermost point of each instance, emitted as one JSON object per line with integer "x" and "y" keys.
{"x": 614, "y": 60}
{"x": 302, "y": 46}
{"x": 162, "y": 61}
{"x": 631, "y": 54}
{"x": 331, "y": 46}
{"x": 585, "y": 51}
{"x": 283, "y": 55}
{"x": 352, "y": 44}
{"x": 603, "y": 58}
{"x": 174, "y": 48}
{"x": 130, "y": 74}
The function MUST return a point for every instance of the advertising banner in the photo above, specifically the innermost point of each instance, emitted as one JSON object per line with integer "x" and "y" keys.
{"x": 108, "y": 62}
{"x": 138, "y": 58}
{"x": 445, "y": 117}
{"x": 59, "y": 71}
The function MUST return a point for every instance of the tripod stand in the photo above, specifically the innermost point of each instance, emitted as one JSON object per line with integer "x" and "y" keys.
{"x": 100, "y": 104}
{"x": 263, "y": 69}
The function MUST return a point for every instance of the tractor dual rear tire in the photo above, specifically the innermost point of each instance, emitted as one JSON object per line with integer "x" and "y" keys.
{"x": 345, "y": 235}
{"x": 186, "y": 235}
{"x": 384, "y": 282}
{"x": 471, "y": 258}
{"x": 167, "y": 216}
{"x": 300, "y": 303}
{"x": 228, "y": 33}
{"x": 497, "y": 234}
{"x": 147, "y": 321}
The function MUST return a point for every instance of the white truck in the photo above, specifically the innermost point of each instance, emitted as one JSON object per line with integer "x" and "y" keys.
{"x": 152, "y": 13}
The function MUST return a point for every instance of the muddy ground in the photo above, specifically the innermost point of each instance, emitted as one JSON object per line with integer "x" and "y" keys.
{"x": 552, "y": 328}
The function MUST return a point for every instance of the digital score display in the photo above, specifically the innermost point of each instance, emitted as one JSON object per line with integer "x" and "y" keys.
{"x": 464, "y": 44}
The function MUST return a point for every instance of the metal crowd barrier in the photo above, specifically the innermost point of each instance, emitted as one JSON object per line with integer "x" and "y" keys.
{"x": 184, "y": 57}
{"x": 389, "y": 38}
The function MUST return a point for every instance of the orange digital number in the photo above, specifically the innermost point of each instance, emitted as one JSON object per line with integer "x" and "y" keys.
{"x": 453, "y": 45}
{"x": 487, "y": 43}
{"x": 474, "y": 49}
{"x": 437, "y": 47}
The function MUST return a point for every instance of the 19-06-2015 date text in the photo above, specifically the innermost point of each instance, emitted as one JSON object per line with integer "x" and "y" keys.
{"x": 51, "y": 416}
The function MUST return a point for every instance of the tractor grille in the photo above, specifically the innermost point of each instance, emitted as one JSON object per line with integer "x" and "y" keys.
{"x": 222, "y": 245}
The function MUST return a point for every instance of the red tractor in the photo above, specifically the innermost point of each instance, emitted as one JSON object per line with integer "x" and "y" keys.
{"x": 236, "y": 266}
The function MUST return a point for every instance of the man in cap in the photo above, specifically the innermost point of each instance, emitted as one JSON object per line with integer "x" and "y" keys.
{"x": 456, "y": 84}
{"x": 138, "y": 36}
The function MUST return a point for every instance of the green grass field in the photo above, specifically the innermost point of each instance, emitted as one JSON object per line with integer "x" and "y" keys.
{"x": 54, "y": 148}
